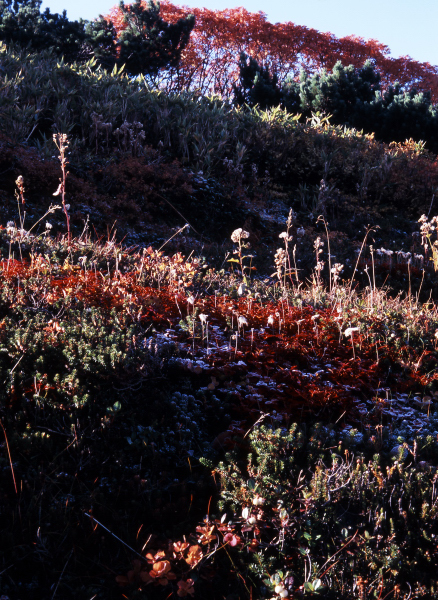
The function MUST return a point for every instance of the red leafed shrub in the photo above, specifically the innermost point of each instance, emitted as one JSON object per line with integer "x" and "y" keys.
{"x": 210, "y": 61}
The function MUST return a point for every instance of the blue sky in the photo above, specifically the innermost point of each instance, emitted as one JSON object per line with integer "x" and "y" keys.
{"x": 407, "y": 27}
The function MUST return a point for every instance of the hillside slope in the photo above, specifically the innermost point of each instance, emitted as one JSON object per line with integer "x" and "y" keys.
{"x": 231, "y": 409}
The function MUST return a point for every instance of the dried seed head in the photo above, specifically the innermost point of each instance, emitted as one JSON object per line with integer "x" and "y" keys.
{"x": 239, "y": 234}
{"x": 241, "y": 321}
{"x": 350, "y": 331}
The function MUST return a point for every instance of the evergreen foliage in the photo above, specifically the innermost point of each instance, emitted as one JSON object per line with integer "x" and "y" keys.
{"x": 22, "y": 22}
{"x": 148, "y": 43}
{"x": 342, "y": 93}
{"x": 101, "y": 42}
{"x": 352, "y": 96}
{"x": 256, "y": 85}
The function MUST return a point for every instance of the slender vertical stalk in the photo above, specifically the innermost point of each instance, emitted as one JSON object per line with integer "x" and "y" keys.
{"x": 10, "y": 458}
{"x": 321, "y": 218}
{"x": 61, "y": 142}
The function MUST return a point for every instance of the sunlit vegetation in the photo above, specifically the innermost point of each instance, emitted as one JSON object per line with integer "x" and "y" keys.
{"x": 144, "y": 391}
{"x": 218, "y": 334}
{"x": 210, "y": 61}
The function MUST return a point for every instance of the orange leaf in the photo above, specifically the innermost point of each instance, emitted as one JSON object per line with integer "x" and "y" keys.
{"x": 194, "y": 555}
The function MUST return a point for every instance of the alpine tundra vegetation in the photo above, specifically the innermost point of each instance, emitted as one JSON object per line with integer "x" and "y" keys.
{"x": 218, "y": 320}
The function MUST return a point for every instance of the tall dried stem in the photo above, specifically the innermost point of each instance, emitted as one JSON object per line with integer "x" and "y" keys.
{"x": 61, "y": 142}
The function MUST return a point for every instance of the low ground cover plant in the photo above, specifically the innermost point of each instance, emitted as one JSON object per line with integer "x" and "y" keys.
{"x": 218, "y": 379}
{"x": 173, "y": 429}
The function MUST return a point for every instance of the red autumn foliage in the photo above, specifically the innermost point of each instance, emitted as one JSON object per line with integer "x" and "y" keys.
{"x": 274, "y": 360}
{"x": 185, "y": 587}
{"x": 291, "y": 360}
{"x": 210, "y": 61}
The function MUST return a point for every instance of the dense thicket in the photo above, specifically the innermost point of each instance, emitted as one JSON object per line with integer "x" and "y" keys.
{"x": 23, "y": 22}
{"x": 210, "y": 62}
{"x": 352, "y": 96}
{"x": 243, "y": 154}
{"x": 142, "y": 42}
{"x": 146, "y": 44}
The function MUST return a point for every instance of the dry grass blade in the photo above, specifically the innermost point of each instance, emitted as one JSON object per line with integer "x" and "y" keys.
{"x": 10, "y": 458}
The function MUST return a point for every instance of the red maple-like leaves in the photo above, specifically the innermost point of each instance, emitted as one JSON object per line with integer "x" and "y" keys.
{"x": 210, "y": 61}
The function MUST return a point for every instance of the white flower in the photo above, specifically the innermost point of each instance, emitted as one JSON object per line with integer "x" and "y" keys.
{"x": 257, "y": 501}
{"x": 270, "y": 320}
{"x": 350, "y": 331}
{"x": 283, "y": 235}
{"x": 241, "y": 289}
{"x": 235, "y": 236}
{"x": 191, "y": 300}
{"x": 241, "y": 321}
{"x": 48, "y": 225}
{"x": 245, "y": 512}
{"x": 337, "y": 268}
{"x": 239, "y": 234}
{"x": 203, "y": 318}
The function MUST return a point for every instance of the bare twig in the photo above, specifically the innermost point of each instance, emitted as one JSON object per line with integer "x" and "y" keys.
{"x": 114, "y": 535}
{"x": 10, "y": 458}
{"x": 62, "y": 573}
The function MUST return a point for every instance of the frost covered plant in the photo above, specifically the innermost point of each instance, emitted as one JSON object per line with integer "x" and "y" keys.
{"x": 204, "y": 324}
{"x": 238, "y": 236}
{"x": 317, "y": 245}
{"x": 349, "y": 333}
{"x": 427, "y": 228}
{"x": 282, "y": 256}
{"x": 20, "y": 196}
{"x": 336, "y": 271}
{"x": 280, "y": 263}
